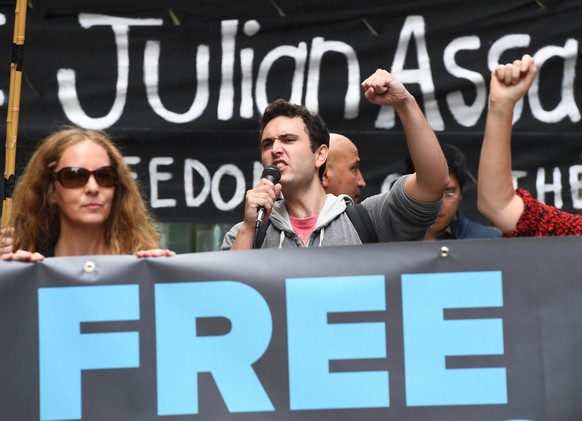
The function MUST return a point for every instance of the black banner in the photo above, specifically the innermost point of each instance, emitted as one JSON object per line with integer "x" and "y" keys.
{"x": 482, "y": 330}
{"x": 180, "y": 85}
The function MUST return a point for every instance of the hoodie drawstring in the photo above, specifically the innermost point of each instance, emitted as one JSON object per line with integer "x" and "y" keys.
{"x": 321, "y": 235}
{"x": 281, "y": 239}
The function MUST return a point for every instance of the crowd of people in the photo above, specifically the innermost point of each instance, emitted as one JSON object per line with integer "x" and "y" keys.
{"x": 76, "y": 196}
{"x": 296, "y": 141}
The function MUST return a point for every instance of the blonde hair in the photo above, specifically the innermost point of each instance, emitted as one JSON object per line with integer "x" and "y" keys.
{"x": 130, "y": 226}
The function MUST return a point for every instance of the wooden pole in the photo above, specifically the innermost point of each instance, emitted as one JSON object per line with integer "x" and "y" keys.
{"x": 13, "y": 109}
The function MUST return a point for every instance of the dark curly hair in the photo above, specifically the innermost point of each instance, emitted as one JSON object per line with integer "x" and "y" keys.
{"x": 316, "y": 127}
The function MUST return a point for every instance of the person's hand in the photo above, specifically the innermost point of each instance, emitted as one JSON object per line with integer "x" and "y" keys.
{"x": 382, "y": 88}
{"x": 263, "y": 195}
{"x": 6, "y": 240}
{"x": 155, "y": 253}
{"x": 23, "y": 256}
{"x": 510, "y": 82}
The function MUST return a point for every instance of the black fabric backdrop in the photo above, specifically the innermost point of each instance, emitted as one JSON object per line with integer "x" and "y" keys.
{"x": 219, "y": 137}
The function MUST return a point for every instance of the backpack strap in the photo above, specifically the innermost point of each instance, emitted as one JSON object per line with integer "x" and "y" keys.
{"x": 260, "y": 234}
{"x": 362, "y": 223}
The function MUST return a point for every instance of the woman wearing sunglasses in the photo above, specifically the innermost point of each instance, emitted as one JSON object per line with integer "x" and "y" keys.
{"x": 77, "y": 197}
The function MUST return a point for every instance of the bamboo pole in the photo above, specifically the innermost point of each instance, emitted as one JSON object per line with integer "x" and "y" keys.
{"x": 13, "y": 109}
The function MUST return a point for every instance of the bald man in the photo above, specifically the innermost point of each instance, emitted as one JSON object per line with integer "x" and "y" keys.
{"x": 342, "y": 169}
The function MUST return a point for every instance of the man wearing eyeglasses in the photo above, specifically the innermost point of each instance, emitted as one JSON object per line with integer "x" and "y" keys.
{"x": 451, "y": 224}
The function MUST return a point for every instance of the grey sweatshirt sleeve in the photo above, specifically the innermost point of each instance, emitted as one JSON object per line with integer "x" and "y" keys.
{"x": 398, "y": 217}
{"x": 230, "y": 236}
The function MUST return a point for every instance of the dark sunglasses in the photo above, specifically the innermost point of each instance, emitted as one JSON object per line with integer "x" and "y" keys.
{"x": 75, "y": 177}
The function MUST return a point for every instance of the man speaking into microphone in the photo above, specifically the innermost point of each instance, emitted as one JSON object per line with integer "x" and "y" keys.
{"x": 296, "y": 142}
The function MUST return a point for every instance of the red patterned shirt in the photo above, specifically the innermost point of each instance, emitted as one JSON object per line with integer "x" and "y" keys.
{"x": 540, "y": 220}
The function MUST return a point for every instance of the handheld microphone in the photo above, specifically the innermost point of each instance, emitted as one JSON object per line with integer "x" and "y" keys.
{"x": 272, "y": 174}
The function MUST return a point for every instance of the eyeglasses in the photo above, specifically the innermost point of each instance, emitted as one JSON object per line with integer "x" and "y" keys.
{"x": 76, "y": 177}
{"x": 450, "y": 193}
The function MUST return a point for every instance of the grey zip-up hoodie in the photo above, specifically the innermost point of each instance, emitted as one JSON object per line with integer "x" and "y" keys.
{"x": 394, "y": 214}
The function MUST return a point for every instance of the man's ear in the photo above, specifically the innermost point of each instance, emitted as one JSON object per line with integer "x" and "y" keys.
{"x": 325, "y": 178}
{"x": 321, "y": 155}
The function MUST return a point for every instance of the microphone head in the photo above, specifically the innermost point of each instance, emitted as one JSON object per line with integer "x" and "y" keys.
{"x": 272, "y": 174}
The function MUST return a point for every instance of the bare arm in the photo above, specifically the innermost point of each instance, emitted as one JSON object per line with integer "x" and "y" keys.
{"x": 429, "y": 181}
{"x": 497, "y": 200}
